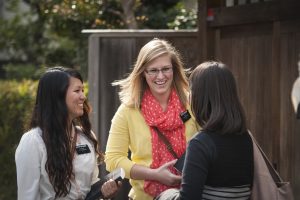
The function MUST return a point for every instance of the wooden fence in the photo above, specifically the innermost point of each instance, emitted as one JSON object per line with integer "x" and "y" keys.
{"x": 259, "y": 41}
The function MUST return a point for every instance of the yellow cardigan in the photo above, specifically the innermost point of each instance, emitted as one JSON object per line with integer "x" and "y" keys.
{"x": 130, "y": 131}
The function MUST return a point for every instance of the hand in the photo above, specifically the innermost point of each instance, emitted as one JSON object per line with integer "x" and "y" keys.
{"x": 110, "y": 188}
{"x": 166, "y": 177}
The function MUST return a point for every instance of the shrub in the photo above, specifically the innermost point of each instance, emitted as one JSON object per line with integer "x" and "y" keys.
{"x": 21, "y": 71}
{"x": 16, "y": 100}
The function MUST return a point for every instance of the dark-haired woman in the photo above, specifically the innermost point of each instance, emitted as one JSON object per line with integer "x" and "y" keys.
{"x": 57, "y": 157}
{"x": 219, "y": 159}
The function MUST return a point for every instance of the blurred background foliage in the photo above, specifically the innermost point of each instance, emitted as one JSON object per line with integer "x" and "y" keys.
{"x": 36, "y": 34}
{"x": 16, "y": 100}
{"x": 45, "y": 33}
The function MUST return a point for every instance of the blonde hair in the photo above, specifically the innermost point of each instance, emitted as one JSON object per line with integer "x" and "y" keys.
{"x": 133, "y": 87}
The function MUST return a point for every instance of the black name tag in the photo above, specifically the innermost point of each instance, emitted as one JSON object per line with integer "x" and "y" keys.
{"x": 82, "y": 149}
{"x": 185, "y": 116}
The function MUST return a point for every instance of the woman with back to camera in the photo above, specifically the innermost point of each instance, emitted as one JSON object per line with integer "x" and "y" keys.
{"x": 219, "y": 159}
{"x": 153, "y": 97}
{"x": 57, "y": 158}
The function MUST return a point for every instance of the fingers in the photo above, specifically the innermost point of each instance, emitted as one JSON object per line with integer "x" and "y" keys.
{"x": 176, "y": 180}
{"x": 170, "y": 163}
{"x": 119, "y": 184}
{"x": 167, "y": 177}
{"x": 171, "y": 180}
{"x": 110, "y": 188}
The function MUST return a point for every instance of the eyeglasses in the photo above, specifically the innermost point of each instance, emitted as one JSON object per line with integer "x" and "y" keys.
{"x": 155, "y": 72}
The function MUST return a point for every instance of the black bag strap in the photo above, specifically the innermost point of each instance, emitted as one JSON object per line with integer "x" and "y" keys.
{"x": 166, "y": 141}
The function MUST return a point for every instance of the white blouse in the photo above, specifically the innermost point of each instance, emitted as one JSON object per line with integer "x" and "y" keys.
{"x": 32, "y": 178}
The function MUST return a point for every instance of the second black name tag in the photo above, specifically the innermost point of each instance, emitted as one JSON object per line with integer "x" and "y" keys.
{"x": 185, "y": 116}
{"x": 82, "y": 149}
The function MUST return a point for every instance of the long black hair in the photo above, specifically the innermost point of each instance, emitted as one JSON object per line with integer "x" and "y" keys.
{"x": 214, "y": 99}
{"x": 50, "y": 114}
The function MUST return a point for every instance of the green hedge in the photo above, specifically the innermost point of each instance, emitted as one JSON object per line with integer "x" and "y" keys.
{"x": 16, "y": 103}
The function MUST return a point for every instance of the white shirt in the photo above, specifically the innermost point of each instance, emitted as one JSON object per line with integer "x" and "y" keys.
{"x": 32, "y": 178}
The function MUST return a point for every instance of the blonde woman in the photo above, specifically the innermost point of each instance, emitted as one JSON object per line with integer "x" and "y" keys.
{"x": 154, "y": 101}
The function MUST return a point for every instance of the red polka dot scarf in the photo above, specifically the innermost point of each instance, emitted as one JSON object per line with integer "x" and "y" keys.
{"x": 171, "y": 125}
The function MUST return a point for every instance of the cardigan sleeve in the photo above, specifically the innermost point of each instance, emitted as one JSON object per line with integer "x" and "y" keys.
{"x": 116, "y": 154}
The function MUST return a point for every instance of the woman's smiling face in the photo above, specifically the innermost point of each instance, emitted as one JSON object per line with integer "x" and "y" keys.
{"x": 159, "y": 75}
{"x": 75, "y": 98}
